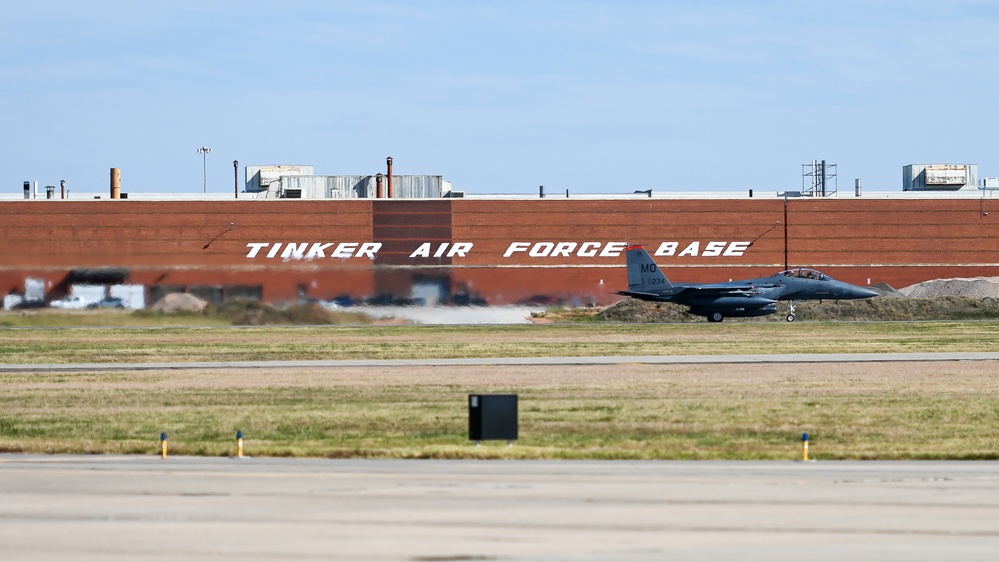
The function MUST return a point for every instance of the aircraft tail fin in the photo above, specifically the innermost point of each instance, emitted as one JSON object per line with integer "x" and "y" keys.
{"x": 643, "y": 273}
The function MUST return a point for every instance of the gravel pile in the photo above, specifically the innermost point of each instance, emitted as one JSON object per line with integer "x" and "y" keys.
{"x": 974, "y": 287}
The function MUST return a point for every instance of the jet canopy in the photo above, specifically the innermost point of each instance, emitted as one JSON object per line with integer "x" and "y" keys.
{"x": 803, "y": 273}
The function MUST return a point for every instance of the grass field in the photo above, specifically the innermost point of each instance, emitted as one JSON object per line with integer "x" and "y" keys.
{"x": 227, "y": 343}
{"x": 851, "y": 410}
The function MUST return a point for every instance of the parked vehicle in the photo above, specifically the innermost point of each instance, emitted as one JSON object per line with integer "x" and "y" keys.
{"x": 109, "y": 302}
{"x": 69, "y": 302}
{"x": 15, "y": 301}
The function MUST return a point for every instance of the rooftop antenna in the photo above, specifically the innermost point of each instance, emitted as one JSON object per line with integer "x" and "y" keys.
{"x": 204, "y": 151}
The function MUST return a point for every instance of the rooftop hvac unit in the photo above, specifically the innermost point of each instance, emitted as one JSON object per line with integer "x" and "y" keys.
{"x": 945, "y": 174}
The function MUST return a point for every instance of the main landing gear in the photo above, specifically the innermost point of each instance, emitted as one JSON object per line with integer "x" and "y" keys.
{"x": 715, "y": 317}
{"x": 790, "y": 311}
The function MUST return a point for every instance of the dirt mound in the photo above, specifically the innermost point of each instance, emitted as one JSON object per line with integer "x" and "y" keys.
{"x": 876, "y": 309}
{"x": 971, "y": 287}
{"x": 256, "y": 313}
{"x": 900, "y": 309}
{"x": 634, "y": 310}
{"x": 179, "y": 302}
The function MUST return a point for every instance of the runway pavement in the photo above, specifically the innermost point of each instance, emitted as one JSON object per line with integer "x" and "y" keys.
{"x": 147, "y": 508}
{"x": 596, "y": 360}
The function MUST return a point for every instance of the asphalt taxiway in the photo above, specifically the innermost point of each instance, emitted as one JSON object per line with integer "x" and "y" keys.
{"x": 196, "y": 508}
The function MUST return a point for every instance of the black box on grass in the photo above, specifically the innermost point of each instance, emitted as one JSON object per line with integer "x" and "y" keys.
{"x": 492, "y": 416}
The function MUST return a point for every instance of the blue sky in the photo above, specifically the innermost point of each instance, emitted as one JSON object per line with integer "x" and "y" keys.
{"x": 498, "y": 97}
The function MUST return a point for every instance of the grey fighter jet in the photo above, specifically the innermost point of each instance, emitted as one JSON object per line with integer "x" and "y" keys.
{"x": 750, "y": 297}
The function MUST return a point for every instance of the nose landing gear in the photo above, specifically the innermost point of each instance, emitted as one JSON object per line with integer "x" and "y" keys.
{"x": 790, "y": 311}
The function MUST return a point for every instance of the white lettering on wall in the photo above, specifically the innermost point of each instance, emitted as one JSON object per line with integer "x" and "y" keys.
{"x": 313, "y": 250}
{"x": 346, "y": 250}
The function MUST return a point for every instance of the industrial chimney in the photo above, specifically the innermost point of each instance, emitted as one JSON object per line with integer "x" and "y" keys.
{"x": 388, "y": 161}
{"x": 115, "y": 183}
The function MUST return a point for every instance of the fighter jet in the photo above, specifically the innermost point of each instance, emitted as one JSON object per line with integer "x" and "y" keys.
{"x": 751, "y": 297}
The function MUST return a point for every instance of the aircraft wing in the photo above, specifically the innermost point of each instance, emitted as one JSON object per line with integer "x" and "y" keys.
{"x": 680, "y": 294}
{"x": 718, "y": 289}
{"x": 646, "y": 296}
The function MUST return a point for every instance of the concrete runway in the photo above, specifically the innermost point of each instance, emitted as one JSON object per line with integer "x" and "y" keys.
{"x": 147, "y": 508}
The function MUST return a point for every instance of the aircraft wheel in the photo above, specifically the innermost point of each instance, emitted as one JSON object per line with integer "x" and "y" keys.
{"x": 715, "y": 317}
{"x": 790, "y": 318}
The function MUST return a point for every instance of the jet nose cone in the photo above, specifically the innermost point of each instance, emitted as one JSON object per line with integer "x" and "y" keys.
{"x": 862, "y": 293}
{"x": 848, "y": 291}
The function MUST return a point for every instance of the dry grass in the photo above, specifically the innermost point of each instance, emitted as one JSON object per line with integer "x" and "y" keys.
{"x": 117, "y": 345}
{"x": 883, "y": 410}
{"x": 880, "y": 410}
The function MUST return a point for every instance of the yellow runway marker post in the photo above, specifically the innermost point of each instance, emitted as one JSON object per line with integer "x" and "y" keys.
{"x": 163, "y": 445}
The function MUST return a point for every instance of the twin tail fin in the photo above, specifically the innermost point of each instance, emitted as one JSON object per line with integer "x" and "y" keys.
{"x": 644, "y": 275}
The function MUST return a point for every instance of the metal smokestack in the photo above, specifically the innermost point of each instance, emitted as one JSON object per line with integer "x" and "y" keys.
{"x": 27, "y": 190}
{"x": 856, "y": 187}
{"x": 823, "y": 178}
{"x": 115, "y": 183}
{"x": 388, "y": 161}
{"x": 62, "y": 189}
{"x": 378, "y": 185}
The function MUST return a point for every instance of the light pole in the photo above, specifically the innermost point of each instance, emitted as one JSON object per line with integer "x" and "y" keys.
{"x": 204, "y": 151}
